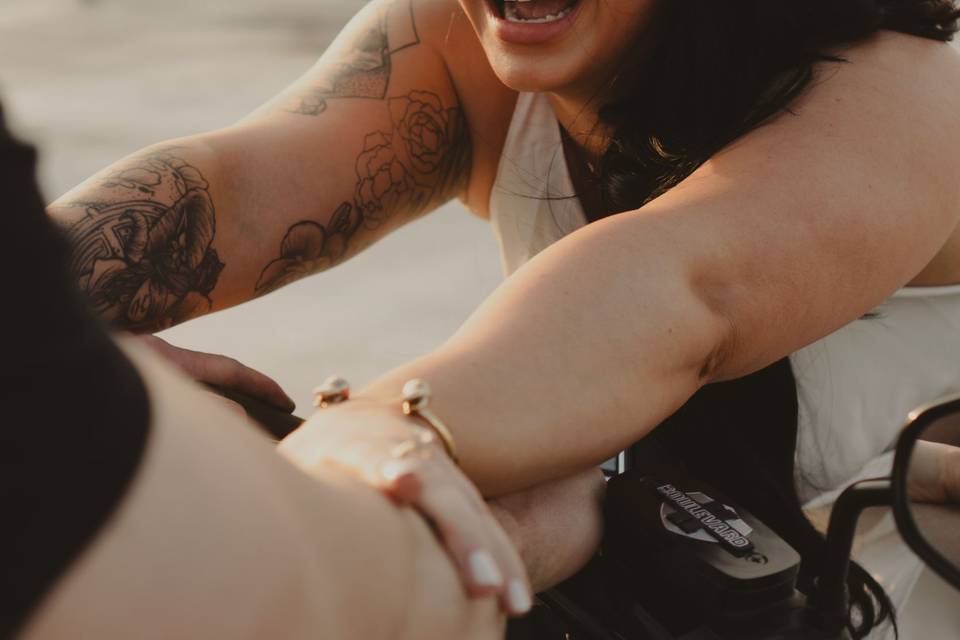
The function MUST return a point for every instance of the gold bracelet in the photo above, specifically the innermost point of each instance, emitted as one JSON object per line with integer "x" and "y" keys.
{"x": 334, "y": 390}
{"x": 416, "y": 401}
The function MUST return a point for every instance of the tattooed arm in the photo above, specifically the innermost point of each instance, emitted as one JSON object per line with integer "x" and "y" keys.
{"x": 370, "y": 138}
{"x": 143, "y": 234}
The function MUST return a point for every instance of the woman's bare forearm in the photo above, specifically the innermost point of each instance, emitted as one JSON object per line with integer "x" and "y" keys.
{"x": 555, "y": 373}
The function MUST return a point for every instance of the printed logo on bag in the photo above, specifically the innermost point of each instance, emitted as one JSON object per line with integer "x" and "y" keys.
{"x": 698, "y": 516}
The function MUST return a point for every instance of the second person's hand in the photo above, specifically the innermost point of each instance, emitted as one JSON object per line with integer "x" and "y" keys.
{"x": 221, "y": 372}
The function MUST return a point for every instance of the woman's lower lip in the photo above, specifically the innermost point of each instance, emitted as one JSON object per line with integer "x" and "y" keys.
{"x": 530, "y": 32}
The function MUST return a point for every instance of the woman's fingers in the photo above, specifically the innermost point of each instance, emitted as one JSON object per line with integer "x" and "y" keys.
{"x": 231, "y": 374}
{"x": 221, "y": 371}
{"x": 934, "y": 473}
{"x": 487, "y": 560}
{"x": 409, "y": 464}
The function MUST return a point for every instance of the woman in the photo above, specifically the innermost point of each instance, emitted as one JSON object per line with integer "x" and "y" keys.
{"x": 778, "y": 171}
{"x": 122, "y": 522}
{"x": 135, "y": 506}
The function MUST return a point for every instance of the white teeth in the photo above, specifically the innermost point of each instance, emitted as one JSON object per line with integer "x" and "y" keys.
{"x": 510, "y": 14}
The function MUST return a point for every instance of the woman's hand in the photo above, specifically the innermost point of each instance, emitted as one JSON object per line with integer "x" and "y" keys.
{"x": 392, "y": 453}
{"x": 221, "y": 371}
{"x": 556, "y": 526}
{"x": 934, "y": 473}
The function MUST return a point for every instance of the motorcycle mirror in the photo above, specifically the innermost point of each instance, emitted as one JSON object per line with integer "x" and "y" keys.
{"x": 926, "y": 486}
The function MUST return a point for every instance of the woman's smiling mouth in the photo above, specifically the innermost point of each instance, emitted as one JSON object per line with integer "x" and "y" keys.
{"x": 536, "y": 11}
{"x": 532, "y": 21}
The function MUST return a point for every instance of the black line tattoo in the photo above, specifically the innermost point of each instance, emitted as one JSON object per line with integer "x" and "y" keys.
{"x": 363, "y": 70}
{"x": 309, "y": 247}
{"x": 423, "y": 160}
{"x": 143, "y": 252}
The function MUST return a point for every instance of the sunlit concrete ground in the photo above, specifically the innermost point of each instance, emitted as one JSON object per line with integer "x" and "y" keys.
{"x": 90, "y": 81}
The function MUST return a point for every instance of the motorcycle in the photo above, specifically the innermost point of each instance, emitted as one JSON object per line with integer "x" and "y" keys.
{"x": 711, "y": 569}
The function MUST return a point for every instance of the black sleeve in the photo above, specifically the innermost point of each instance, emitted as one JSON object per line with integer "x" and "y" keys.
{"x": 74, "y": 414}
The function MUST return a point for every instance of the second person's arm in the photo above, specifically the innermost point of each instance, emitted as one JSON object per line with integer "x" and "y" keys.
{"x": 370, "y": 138}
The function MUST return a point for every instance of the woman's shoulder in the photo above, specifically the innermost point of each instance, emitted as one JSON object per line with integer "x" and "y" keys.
{"x": 889, "y": 46}
{"x": 907, "y": 90}
{"x": 486, "y": 102}
{"x": 895, "y": 64}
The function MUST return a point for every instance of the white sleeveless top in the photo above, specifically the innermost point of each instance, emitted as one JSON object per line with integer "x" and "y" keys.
{"x": 855, "y": 386}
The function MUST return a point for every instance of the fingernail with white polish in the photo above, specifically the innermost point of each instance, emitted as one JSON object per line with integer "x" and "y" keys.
{"x": 393, "y": 469}
{"x": 484, "y": 570}
{"x": 518, "y": 597}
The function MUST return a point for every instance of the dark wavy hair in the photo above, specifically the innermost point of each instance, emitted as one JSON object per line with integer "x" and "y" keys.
{"x": 718, "y": 69}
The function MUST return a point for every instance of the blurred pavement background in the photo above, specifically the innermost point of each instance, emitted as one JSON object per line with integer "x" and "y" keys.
{"x": 89, "y": 81}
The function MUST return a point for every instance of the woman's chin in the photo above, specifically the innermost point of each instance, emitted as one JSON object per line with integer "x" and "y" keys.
{"x": 527, "y": 75}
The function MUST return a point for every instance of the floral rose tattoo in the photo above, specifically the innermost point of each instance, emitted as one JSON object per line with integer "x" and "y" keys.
{"x": 383, "y": 179}
{"x": 423, "y": 159}
{"x": 420, "y": 160}
{"x": 309, "y": 247}
{"x": 425, "y": 127}
{"x": 144, "y": 254}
